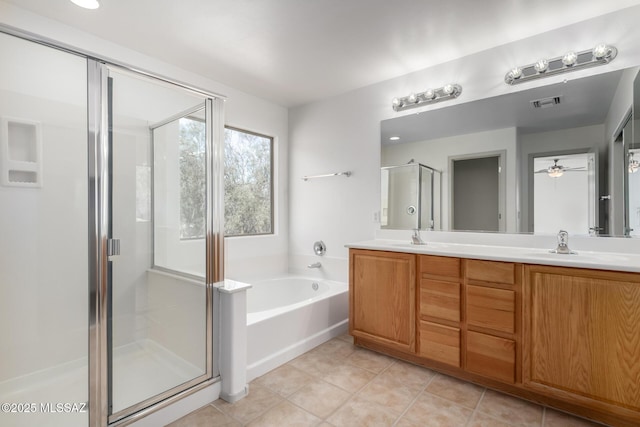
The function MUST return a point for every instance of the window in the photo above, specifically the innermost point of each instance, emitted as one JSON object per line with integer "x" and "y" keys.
{"x": 248, "y": 183}
{"x": 192, "y": 161}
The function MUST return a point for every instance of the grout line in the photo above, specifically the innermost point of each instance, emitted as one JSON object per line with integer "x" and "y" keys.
{"x": 544, "y": 416}
{"x": 477, "y": 408}
{"x": 420, "y": 393}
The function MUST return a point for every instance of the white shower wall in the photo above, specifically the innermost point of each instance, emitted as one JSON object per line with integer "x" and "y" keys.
{"x": 43, "y": 309}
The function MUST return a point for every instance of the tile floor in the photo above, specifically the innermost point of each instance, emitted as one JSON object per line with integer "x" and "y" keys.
{"x": 338, "y": 384}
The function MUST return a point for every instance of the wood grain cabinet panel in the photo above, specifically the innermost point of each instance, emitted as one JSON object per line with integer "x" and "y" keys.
{"x": 491, "y": 271}
{"x": 491, "y": 356}
{"x": 583, "y": 333}
{"x": 382, "y": 297}
{"x": 440, "y": 266}
{"x": 440, "y": 343}
{"x": 440, "y": 299}
{"x": 491, "y": 308}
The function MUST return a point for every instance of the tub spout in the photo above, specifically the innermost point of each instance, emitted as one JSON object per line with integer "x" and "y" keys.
{"x": 314, "y": 265}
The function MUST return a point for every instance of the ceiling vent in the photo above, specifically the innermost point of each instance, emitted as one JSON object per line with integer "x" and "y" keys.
{"x": 546, "y": 102}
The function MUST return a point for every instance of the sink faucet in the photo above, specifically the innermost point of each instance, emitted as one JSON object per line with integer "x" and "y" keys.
{"x": 314, "y": 265}
{"x": 563, "y": 243}
{"x": 416, "y": 239}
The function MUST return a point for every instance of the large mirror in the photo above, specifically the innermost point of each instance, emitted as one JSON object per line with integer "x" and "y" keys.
{"x": 554, "y": 157}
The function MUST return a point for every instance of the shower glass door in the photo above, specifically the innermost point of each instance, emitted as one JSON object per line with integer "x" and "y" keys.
{"x": 159, "y": 332}
{"x": 44, "y": 235}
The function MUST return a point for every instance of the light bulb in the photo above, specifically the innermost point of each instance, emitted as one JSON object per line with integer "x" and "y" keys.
{"x": 395, "y": 102}
{"x": 601, "y": 51}
{"x": 515, "y": 73}
{"x": 412, "y": 98}
{"x": 394, "y": 138}
{"x": 448, "y": 89}
{"x": 87, "y": 4}
{"x": 429, "y": 94}
{"x": 570, "y": 59}
{"x": 541, "y": 66}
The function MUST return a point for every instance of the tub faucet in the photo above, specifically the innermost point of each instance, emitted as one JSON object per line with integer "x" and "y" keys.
{"x": 314, "y": 265}
{"x": 563, "y": 244}
{"x": 416, "y": 239}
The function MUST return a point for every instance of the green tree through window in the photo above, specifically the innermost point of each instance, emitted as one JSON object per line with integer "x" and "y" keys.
{"x": 248, "y": 188}
{"x": 248, "y": 181}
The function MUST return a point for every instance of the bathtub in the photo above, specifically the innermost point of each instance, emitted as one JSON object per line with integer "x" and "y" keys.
{"x": 290, "y": 315}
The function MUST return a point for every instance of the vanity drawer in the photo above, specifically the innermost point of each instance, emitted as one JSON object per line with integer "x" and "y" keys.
{"x": 440, "y": 299}
{"x": 491, "y": 356}
{"x": 491, "y": 308}
{"x": 440, "y": 343}
{"x": 491, "y": 271}
{"x": 439, "y": 266}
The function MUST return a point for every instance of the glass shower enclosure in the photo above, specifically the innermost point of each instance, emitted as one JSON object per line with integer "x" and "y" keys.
{"x": 410, "y": 196}
{"x": 109, "y": 198}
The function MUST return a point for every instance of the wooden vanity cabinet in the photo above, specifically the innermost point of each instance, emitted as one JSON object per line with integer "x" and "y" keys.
{"x": 492, "y": 301}
{"x": 382, "y": 298}
{"x": 439, "y": 309}
{"x": 582, "y": 337}
{"x": 565, "y": 337}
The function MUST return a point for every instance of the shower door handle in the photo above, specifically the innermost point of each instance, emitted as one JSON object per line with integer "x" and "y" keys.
{"x": 113, "y": 247}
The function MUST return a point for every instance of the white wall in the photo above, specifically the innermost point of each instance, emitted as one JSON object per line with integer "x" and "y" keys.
{"x": 43, "y": 310}
{"x": 343, "y": 132}
{"x": 264, "y": 255}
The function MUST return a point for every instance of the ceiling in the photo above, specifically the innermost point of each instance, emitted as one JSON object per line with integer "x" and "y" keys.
{"x": 293, "y": 52}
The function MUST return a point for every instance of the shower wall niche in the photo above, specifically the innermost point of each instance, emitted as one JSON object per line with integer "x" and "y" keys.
{"x": 21, "y": 152}
{"x": 411, "y": 197}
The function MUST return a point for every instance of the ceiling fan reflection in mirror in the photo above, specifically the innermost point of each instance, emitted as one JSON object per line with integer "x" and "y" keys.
{"x": 556, "y": 170}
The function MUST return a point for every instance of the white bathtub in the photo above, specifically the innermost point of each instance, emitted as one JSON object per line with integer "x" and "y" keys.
{"x": 287, "y": 317}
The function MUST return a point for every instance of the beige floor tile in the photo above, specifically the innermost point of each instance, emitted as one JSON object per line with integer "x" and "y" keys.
{"x": 369, "y": 360}
{"x": 553, "y": 418}
{"x": 483, "y": 420}
{"x": 326, "y": 424}
{"x": 284, "y": 380}
{"x": 458, "y": 391}
{"x": 316, "y": 364}
{"x": 346, "y": 337}
{"x": 255, "y": 404}
{"x": 510, "y": 409}
{"x": 390, "y": 393}
{"x": 335, "y": 348}
{"x": 361, "y": 413}
{"x": 349, "y": 378}
{"x": 320, "y": 398}
{"x": 206, "y": 416}
{"x": 409, "y": 374}
{"x": 285, "y": 414}
{"x": 432, "y": 411}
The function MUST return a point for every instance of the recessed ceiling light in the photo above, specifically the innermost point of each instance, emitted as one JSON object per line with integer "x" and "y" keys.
{"x": 394, "y": 138}
{"x": 87, "y": 4}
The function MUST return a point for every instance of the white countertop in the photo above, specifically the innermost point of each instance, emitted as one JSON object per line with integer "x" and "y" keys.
{"x": 582, "y": 259}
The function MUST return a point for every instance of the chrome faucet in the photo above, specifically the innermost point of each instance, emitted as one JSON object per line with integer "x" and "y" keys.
{"x": 314, "y": 265}
{"x": 416, "y": 239}
{"x": 563, "y": 244}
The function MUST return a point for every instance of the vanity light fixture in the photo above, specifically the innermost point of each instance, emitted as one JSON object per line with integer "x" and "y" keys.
{"x": 599, "y": 55}
{"x": 87, "y": 4}
{"x": 429, "y": 96}
{"x": 634, "y": 164}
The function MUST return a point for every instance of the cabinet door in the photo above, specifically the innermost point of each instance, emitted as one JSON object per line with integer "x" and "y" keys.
{"x": 382, "y": 297}
{"x": 582, "y": 333}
